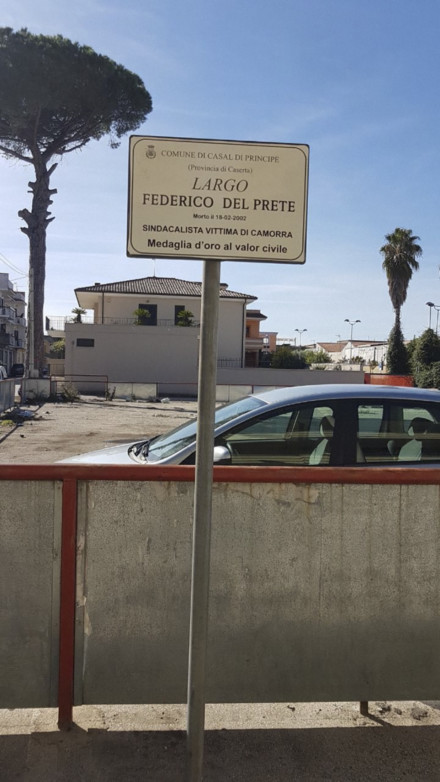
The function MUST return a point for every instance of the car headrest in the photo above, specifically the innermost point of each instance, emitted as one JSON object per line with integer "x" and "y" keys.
{"x": 419, "y": 426}
{"x": 327, "y": 425}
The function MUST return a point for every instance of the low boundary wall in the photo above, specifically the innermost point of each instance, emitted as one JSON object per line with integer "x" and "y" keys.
{"x": 324, "y": 585}
{"x": 7, "y": 394}
{"x": 232, "y": 384}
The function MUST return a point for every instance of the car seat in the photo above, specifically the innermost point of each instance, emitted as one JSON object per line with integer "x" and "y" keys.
{"x": 412, "y": 450}
{"x": 321, "y": 454}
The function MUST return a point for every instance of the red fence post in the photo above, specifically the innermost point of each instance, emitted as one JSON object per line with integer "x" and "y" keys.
{"x": 67, "y": 604}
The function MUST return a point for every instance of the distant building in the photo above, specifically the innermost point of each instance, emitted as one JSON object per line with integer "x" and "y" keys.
{"x": 367, "y": 351}
{"x": 135, "y": 331}
{"x": 259, "y": 344}
{"x": 12, "y": 323}
{"x": 345, "y": 351}
{"x": 334, "y": 349}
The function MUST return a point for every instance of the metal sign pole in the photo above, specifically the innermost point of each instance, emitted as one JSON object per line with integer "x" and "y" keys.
{"x": 202, "y": 520}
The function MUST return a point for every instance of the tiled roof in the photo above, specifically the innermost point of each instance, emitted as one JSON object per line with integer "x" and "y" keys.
{"x": 332, "y": 347}
{"x": 337, "y": 347}
{"x": 160, "y": 286}
{"x": 360, "y": 342}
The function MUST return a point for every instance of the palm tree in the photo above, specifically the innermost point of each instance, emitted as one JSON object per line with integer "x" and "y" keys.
{"x": 400, "y": 254}
{"x": 78, "y": 312}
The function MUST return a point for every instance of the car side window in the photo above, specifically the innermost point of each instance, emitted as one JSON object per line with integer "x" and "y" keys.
{"x": 396, "y": 432}
{"x": 373, "y": 434}
{"x": 296, "y": 436}
{"x": 270, "y": 427}
{"x": 422, "y": 431}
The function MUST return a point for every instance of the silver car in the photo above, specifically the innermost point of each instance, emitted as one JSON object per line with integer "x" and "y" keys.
{"x": 330, "y": 425}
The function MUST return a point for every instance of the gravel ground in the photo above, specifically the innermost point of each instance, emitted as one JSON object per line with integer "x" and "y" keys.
{"x": 244, "y": 743}
{"x": 46, "y": 434}
{"x": 252, "y": 743}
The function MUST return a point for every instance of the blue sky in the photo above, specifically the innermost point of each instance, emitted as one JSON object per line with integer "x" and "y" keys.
{"x": 356, "y": 81}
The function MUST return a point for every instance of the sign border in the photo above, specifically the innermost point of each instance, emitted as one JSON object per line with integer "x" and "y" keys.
{"x": 183, "y": 256}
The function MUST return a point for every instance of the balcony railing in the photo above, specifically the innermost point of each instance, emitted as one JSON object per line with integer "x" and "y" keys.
{"x": 229, "y": 363}
{"x": 8, "y": 313}
{"x": 58, "y": 323}
{"x": 254, "y": 342}
{"x": 10, "y": 341}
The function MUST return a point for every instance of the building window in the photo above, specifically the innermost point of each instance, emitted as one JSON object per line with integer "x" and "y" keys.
{"x": 178, "y": 308}
{"x": 151, "y": 319}
{"x": 85, "y": 343}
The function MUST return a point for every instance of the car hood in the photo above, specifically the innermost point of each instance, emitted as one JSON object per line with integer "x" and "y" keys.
{"x": 116, "y": 454}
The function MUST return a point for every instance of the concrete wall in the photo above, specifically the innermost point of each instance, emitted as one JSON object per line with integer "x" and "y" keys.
{"x": 133, "y": 353}
{"x": 7, "y": 394}
{"x": 231, "y": 331}
{"x": 257, "y": 377}
{"x": 35, "y": 389}
{"x": 30, "y": 527}
{"x": 160, "y": 369}
{"x": 241, "y": 382}
{"x": 319, "y": 590}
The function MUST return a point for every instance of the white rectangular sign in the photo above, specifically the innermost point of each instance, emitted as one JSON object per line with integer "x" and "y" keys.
{"x": 222, "y": 200}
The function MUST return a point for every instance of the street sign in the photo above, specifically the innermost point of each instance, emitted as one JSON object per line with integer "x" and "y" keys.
{"x": 216, "y": 201}
{"x": 220, "y": 200}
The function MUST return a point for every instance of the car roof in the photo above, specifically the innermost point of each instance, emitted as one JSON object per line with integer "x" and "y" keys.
{"x": 295, "y": 394}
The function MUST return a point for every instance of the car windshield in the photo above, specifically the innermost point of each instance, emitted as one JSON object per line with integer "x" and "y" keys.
{"x": 170, "y": 443}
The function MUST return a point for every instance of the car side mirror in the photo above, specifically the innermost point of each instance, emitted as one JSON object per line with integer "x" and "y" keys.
{"x": 221, "y": 455}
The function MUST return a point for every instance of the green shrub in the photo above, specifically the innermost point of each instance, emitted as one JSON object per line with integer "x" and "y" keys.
{"x": 425, "y": 359}
{"x": 141, "y": 316}
{"x": 69, "y": 392}
{"x": 286, "y": 358}
{"x": 58, "y": 348}
{"x": 316, "y": 357}
{"x": 397, "y": 356}
{"x": 185, "y": 318}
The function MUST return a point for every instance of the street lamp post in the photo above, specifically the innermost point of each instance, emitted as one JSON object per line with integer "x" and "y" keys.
{"x": 300, "y": 332}
{"x": 351, "y": 322}
{"x": 265, "y": 356}
{"x": 432, "y": 306}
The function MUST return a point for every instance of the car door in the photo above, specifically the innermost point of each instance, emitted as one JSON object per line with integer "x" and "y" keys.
{"x": 287, "y": 436}
{"x": 398, "y": 432}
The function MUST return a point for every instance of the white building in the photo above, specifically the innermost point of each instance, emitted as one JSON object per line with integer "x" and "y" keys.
{"x": 12, "y": 323}
{"x": 346, "y": 351}
{"x": 109, "y": 342}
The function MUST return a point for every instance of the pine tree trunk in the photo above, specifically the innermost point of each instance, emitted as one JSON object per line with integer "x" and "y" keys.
{"x": 37, "y": 221}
